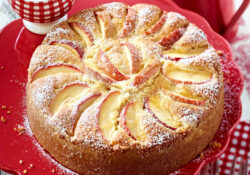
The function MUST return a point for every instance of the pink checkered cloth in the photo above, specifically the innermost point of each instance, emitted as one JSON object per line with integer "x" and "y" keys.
{"x": 238, "y": 147}
{"x": 41, "y": 11}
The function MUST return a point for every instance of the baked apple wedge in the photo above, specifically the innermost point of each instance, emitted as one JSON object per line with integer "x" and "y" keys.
{"x": 69, "y": 92}
{"x": 187, "y": 76}
{"x": 84, "y": 104}
{"x": 107, "y": 27}
{"x": 156, "y": 108}
{"x": 131, "y": 121}
{"x": 158, "y": 25}
{"x": 54, "y": 69}
{"x": 108, "y": 112}
{"x": 167, "y": 41}
{"x": 148, "y": 72}
{"x": 108, "y": 67}
{"x": 129, "y": 23}
{"x": 73, "y": 46}
{"x": 92, "y": 70}
{"x": 133, "y": 56}
{"x": 83, "y": 32}
{"x": 183, "y": 99}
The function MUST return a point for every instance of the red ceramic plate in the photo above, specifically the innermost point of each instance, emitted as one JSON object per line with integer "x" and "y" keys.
{"x": 17, "y": 45}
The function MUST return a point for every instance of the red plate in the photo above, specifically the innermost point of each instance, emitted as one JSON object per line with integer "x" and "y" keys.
{"x": 17, "y": 45}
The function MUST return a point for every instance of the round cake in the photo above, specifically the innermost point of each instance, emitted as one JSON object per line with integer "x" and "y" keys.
{"x": 120, "y": 89}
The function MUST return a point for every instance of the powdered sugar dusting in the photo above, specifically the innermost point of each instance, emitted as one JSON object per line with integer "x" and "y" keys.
{"x": 42, "y": 95}
{"x": 194, "y": 34}
{"x": 173, "y": 18}
{"x": 87, "y": 131}
{"x": 146, "y": 14}
{"x": 57, "y": 32}
{"x": 42, "y": 152}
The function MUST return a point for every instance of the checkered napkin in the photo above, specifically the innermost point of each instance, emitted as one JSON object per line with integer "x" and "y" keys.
{"x": 41, "y": 11}
{"x": 239, "y": 147}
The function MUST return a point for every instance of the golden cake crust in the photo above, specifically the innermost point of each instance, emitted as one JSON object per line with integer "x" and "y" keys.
{"x": 121, "y": 89}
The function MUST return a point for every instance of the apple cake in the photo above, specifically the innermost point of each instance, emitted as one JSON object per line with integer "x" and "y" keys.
{"x": 120, "y": 89}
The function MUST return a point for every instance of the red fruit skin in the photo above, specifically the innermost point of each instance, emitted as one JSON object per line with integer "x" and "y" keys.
{"x": 129, "y": 23}
{"x": 47, "y": 67}
{"x": 146, "y": 106}
{"x": 158, "y": 25}
{"x": 123, "y": 119}
{"x": 167, "y": 41}
{"x": 107, "y": 66}
{"x": 135, "y": 57}
{"x": 85, "y": 30}
{"x": 79, "y": 49}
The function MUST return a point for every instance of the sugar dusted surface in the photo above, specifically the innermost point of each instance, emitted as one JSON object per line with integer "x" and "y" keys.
{"x": 86, "y": 130}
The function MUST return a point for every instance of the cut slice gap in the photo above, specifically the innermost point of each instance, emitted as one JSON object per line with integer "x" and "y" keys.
{"x": 158, "y": 25}
{"x": 186, "y": 75}
{"x": 54, "y": 69}
{"x": 131, "y": 121}
{"x": 178, "y": 56}
{"x": 106, "y": 25}
{"x": 133, "y": 56}
{"x": 84, "y": 32}
{"x": 184, "y": 98}
{"x": 108, "y": 67}
{"x": 129, "y": 23}
{"x": 108, "y": 113}
{"x": 72, "y": 46}
{"x": 157, "y": 107}
{"x": 83, "y": 104}
{"x": 68, "y": 93}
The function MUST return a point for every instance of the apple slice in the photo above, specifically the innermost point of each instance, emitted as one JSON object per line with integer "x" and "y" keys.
{"x": 108, "y": 112}
{"x": 54, "y": 69}
{"x": 133, "y": 56}
{"x": 186, "y": 76}
{"x": 158, "y": 25}
{"x": 107, "y": 27}
{"x": 73, "y": 46}
{"x": 108, "y": 68}
{"x": 130, "y": 121}
{"x": 148, "y": 72}
{"x": 83, "y": 105}
{"x": 83, "y": 32}
{"x": 93, "y": 72}
{"x": 129, "y": 23}
{"x": 169, "y": 40}
{"x": 162, "y": 115}
{"x": 68, "y": 93}
{"x": 183, "y": 99}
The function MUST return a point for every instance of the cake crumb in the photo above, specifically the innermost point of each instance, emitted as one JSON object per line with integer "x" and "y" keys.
{"x": 4, "y": 107}
{"x": 24, "y": 171}
{"x": 21, "y": 162}
{"x": 14, "y": 129}
{"x": 215, "y": 144}
{"x": 3, "y": 119}
{"x": 53, "y": 171}
{"x": 20, "y": 130}
{"x": 8, "y": 112}
{"x": 30, "y": 166}
{"x": 2, "y": 67}
{"x": 202, "y": 155}
{"x": 220, "y": 52}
